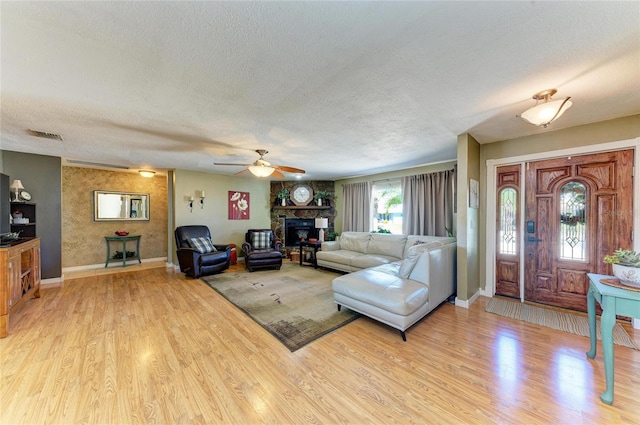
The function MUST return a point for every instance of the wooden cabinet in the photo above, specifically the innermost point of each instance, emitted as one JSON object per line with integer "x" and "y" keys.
{"x": 19, "y": 276}
{"x": 28, "y": 210}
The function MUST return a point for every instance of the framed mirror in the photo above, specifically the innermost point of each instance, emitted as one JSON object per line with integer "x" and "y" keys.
{"x": 120, "y": 206}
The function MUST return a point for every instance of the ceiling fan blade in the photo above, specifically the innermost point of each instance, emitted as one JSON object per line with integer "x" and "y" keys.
{"x": 227, "y": 163}
{"x": 288, "y": 169}
{"x": 277, "y": 174}
{"x": 246, "y": 170}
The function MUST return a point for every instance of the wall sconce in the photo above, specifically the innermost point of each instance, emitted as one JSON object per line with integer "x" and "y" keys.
{"x": 202, "y": 199}
{"x": 147, "y": 173}
{"x": 190, "y": 200}
{"x": 545, "y": 113}
{"x": 321, "y": 223}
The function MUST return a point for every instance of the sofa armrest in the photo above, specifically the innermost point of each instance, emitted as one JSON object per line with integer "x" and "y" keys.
{"x": 330, "y": 246}
{"x": 223, "y": 248}
{"x": 187, "y": 258}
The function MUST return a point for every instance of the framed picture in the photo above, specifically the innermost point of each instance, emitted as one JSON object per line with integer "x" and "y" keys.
{"x": 238, "y": 205}
{"x": 474, "y": 193}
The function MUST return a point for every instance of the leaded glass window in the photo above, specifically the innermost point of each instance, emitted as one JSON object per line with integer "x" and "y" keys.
{"x": 508, "y": 216}
{"x": 573, "y": 226}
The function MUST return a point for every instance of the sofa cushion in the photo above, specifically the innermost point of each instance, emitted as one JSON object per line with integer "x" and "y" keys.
{"x": 389, "y": 245}
{"x": 260, "y": 240}
{"x": 370, "y": 260}
{"x": 355, "y": 241}
{"x": 340, "y": 256}
{"x": 202, "y": 245}
{"x": 432, "y": 241}
{"x": 382, "y": 290}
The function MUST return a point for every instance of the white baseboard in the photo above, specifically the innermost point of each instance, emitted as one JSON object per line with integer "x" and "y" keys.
{"x": 52, "y": 281}
{"x": 111, "y": 264}
{"x": 467, "y": 303}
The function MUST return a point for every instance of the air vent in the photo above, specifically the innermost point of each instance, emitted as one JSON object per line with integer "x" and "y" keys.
{"x": 96, "y": 164}
{"x": 45, "y": 135}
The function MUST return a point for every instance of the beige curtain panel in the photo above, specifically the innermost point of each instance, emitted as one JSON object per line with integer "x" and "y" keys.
{"x": 427, "y": 203}
{"x": 356, "y": 214}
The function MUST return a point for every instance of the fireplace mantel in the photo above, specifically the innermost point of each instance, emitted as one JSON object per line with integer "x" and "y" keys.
{"x": 303, "y": 207}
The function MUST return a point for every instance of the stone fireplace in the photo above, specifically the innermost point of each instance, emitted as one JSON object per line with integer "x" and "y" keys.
{"x": 291, "y": 222}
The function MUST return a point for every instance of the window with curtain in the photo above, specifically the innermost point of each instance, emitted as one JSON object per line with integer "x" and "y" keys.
{"x": 356, "y": 214}
{"x": 428, "y": 203}
{"x": 387, "y": 206}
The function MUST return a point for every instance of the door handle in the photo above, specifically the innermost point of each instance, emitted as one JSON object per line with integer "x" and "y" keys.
{"x": 532, "y": 239}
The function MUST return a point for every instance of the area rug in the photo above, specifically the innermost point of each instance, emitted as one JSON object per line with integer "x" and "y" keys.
{"x": 568, "y": 322}
{"x": 295, "y": 304}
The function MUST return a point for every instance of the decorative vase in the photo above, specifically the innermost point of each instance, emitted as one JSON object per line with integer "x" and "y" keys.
{"x": 319, "y": 202}
{"x": 283, "y": 202}
{"x": 629, "y": 276}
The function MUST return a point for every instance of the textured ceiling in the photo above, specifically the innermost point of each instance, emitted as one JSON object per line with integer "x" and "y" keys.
{"x": 337, "y": 88}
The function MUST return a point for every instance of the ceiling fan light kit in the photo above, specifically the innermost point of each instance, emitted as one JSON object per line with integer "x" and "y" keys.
{"x": 263, "y": 168}
{"x": 543, "y": 114}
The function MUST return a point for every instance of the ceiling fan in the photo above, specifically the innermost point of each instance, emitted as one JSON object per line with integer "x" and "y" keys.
{"x": 263, "y": 168}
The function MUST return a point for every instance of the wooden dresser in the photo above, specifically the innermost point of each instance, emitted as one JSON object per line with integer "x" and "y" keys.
{"x": 19, "y": 276}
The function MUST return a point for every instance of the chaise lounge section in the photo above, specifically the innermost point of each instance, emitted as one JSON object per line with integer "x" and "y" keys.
{"x": 401, "y": 293}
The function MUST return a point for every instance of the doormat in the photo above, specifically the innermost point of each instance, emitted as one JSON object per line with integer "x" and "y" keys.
{"x": 568, "y": 322}
{"x": 295, "y": 304}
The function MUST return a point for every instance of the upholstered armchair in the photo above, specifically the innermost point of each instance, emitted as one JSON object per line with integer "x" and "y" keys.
{"x": 197, "y": 255}
{"x": 261, "y": 249}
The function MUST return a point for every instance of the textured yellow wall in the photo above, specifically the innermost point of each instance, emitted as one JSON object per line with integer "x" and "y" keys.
{"x": 83, "y": 240}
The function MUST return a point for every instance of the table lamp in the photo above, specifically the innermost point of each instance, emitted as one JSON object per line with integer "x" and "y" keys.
{"x": 17, "y": 186}
{"x": 321, "y": 223}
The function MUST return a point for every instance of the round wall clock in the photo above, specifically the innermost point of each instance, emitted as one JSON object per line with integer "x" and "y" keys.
{"x": 25, "y": 195}
{"x": 301, "y": 195}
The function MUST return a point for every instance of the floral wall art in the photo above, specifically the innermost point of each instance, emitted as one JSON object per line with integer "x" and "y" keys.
{"x": 238, "y": 205}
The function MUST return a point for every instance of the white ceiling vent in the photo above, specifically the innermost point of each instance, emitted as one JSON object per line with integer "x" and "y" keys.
{"x": 45, "y": 135}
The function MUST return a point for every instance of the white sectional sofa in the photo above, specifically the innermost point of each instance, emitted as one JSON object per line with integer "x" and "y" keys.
{"x": 355, "y": 251}
{"x": 394, "y": 290}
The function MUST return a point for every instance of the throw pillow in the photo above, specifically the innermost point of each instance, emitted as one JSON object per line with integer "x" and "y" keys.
{"x": 413, "y": 254}
{"x": 260, "y": 240}
{"x": 202, "y": 245}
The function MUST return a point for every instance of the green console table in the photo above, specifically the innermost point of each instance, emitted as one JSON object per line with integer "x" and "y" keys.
{"x": 613, "y": 300}
{"x": 123, "y": 240}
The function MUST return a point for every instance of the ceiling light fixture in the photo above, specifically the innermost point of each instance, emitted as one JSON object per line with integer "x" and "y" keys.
{"x": 147, "y": 173}
{"x": 543, "y": 114}
{"x": 261, "y": 170}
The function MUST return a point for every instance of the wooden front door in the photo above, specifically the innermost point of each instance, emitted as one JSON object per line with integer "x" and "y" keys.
{"x": 578, "y": 210}
{"x": 508, "y": 231}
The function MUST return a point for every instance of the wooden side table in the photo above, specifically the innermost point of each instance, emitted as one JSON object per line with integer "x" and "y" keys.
{"x": 124, "y": 240}
{"x": 315, "y": 245}
{"x": 613, "y": 301}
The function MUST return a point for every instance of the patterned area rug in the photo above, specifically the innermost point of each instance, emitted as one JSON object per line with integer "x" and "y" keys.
{"x": 295, "y": 304}
{"x": 568, "y": 322}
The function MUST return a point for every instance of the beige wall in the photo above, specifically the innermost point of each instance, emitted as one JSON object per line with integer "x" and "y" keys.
{"x": 214, "y": 214}
{"x": 83, "y": 240}
{"x": 467, "y": 218}
{"x": 432, "y": 168}
{"x": 625, "y": 128}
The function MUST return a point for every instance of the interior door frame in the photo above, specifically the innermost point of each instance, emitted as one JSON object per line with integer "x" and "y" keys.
{"x": 490, "y": 225}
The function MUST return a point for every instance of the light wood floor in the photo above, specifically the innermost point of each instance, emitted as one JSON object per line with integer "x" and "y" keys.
{"x": 150, "y": 346}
